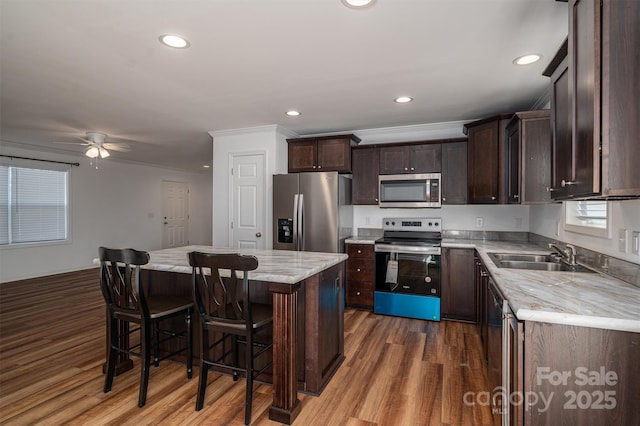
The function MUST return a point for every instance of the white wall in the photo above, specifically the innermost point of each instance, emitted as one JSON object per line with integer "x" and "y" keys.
{"x": 547, "y": 220}
{"x": 118, "y": 205}
{"x": 272, "y": 140}
{"x": 461, "y": 218}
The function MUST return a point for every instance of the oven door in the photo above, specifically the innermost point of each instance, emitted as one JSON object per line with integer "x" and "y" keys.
{"x": 408, "y": 273}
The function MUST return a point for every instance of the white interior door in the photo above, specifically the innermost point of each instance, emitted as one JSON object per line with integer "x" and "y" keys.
{"x": 175, "y": 212}
{"x": 247, "y": 209}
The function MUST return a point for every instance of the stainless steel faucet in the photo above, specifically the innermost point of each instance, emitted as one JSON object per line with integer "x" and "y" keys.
{"x": 568, "y": 253}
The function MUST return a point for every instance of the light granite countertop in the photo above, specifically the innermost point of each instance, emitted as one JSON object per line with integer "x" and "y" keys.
{"x": 279, "y": 266}
{"x": 361, "y": 240}
{"x": 570, "y": 298}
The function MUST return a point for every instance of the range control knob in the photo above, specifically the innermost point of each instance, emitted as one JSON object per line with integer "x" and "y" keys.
{"x": 430, "y": 224}
{"x": 436, "y": 223}
{"x": 386, "y": 223}
{"x": 393, "y": 223}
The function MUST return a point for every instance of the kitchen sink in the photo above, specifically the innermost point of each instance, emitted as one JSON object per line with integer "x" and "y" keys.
{"x": 536, "y": 262}
{"x": 523, "y": 257}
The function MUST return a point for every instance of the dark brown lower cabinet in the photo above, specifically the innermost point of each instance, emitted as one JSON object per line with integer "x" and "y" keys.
{"x": 578, "y": 376}
{"x": 458, "y": 297}
{"x": 360, "y": 275}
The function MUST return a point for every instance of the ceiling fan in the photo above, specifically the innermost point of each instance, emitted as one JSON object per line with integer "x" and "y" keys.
{"x": 97, "y": 146}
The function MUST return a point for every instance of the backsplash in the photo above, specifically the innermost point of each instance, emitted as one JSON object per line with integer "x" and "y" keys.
{"x": 621, "y": 269}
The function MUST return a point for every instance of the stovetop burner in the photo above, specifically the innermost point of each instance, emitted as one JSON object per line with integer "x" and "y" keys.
{"x": 423, "y": 234}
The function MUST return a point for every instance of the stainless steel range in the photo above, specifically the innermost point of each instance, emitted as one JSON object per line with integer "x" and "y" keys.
{"x": 408, "y": 268}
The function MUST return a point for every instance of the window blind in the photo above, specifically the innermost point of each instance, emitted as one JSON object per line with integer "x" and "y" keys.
{"x": 591, "y": 213}
{"x": 36, "y": 205}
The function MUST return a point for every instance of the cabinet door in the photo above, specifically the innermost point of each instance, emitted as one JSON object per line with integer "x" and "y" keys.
{"x": 454, "y": 173}
{"x": 425, "y": 158}
{"x": 535, "y": 160}
{"x": 394, "y": 160}
{"x": 584, "y": 56}
{"x": 562, "y": 157}
{"x": 364, "y": 188}
{"x": 483, "y": 163}
{"x": 513, "y": 164}
{"x": 302, "y": 156}
{"x": 334, "y": 155}
{"x": 458, "y": 286}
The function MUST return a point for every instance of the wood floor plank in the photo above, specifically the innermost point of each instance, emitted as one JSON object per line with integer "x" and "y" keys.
{"x": 398, "y": 371}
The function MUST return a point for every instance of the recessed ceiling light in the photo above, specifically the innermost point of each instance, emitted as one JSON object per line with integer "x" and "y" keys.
{"x": 527, "y": 59}
{"x": 173, "y": 40}
{"x": 403, "y": 99}
{"x": 358, "y": 4}
{"x": 293, "y": 113}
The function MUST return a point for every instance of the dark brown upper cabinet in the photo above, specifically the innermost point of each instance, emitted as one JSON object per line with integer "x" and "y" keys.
{"x": 486, "y": 160}
{"x": 410, "y": 158}
{"x": 365, "y": 161}
{"x": 454, "y": 173}
{"x": 528, "y": 157}
{"x": 321, "y": 154}
{"x": 595, "y": 145}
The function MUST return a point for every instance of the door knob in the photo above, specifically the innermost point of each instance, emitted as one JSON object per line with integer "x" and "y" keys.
{"x": 258, "y": 234}
{"x": 166, "y": 223}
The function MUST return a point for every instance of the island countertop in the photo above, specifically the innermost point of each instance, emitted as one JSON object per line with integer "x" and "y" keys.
{"x": 280, "y": 266}
{"x": 570, "y": 298}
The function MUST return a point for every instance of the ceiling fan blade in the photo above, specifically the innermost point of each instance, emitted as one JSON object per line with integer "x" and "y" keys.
{"x": 72, "y": 143}
{"x": 122, "y": 147}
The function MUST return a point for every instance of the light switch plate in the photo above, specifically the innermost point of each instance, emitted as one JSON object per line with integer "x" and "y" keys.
{"x": 622, "y": 240}
{"x": 635, "y": 243}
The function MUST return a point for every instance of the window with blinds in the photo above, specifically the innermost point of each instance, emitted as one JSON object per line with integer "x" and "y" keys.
{"x": 33, "y": 205}
{"x": 587, "y": 217}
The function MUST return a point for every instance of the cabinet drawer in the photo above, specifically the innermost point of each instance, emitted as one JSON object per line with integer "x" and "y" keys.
{"x": 360, "y": 293}
{"x": 360, "y": 269}
{"x": 360, "y": 251}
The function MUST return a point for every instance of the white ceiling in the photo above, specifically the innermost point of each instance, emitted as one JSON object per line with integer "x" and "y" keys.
{"x": 72, "y": 66}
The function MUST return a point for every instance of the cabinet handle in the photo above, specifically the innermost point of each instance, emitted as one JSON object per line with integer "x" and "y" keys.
{"x": 376, "y": 200}
{"x": 314, "y": 167}
{"x": 359, "y": 251}
{"x": 484, "y": 274}
{"x": 412, "y": 169}
{"x": 358, "y": 269}
{"x": 319, "y": 167}
{"x": 568, "y": 183}
{"x": 549, "y": 189}
{"x": 493, "y": 198}
{"x": 444, "y": 199}
{"x": 406, "y": 169}
{"x": 357, "y": 293}
{"x": 516, "y": 196}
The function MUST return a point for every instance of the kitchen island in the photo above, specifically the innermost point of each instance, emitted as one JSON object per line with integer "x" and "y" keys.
{"x": 308, "y": 331}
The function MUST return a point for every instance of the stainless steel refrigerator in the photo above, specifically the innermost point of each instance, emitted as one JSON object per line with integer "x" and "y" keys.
{"x": 312, "y": 211}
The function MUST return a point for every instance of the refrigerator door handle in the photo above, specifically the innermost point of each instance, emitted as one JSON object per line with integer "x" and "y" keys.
{"x": 295, "y": 223}
{"x": 301, "y": 222}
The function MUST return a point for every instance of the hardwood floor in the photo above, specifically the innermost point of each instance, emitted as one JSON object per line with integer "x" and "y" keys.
{"x": 397, "y": 371}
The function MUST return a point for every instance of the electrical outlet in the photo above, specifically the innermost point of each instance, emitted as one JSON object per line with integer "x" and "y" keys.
{"x": 518, "y": 223}
{"x": 479, "y": 222}
{"x": 635, "y": 242}
{"x": 622, "y": 240}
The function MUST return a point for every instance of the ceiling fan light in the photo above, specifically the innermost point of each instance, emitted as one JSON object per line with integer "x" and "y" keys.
{"x": 103, "y": 152}
{"x": 92, "y": 152}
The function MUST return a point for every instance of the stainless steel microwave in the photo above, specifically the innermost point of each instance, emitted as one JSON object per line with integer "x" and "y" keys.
{"x": 409, "y": 190}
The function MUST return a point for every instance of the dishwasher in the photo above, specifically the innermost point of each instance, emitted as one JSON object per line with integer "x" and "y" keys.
{"x": 496, "y": 339}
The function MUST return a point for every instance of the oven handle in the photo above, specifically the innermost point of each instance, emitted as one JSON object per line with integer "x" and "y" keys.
{"x": 390, "y": 248}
